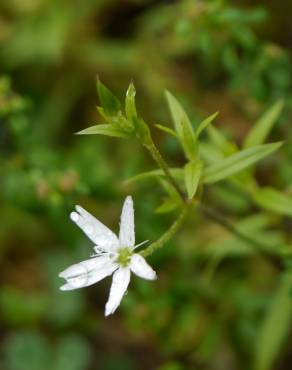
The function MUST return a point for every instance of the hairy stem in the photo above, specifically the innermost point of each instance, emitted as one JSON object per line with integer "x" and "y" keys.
{"x": 168, "y": 234}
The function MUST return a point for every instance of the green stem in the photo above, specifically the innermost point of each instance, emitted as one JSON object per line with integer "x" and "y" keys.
{"x": 151, "y": 147}
{"x": 168, "y": 234}
{"x": 207, "y": 211}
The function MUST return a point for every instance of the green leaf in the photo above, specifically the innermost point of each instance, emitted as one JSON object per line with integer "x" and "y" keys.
{"x": 202, "y": 125}
{"x": 118, "y": 119}
{"x": 168, "y": 205}
{"x": 273, "y": 200}
{"x": 141, "y": 130}
{"x": 275, "y": 327}
{"x": 220, "y": 141}
{"x": 237, "y": 162}
{"x": 109, "y": 102}
{"x": 107, "y": 130}
{"x": 172, "y": 193}
{"x": 192, "y": 175}
{"x": 209, "y": 153}
{"x": 183, "y": 127}
{"x": 259, "y": 132}
{"x": 176, "y": 173}
{"x": 166, "y": 129}
{"x": 172, "y": 201}
{"x": 130, "y": 105}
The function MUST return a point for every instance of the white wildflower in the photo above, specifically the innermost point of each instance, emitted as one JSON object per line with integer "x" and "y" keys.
{"x": 113, "y": 255}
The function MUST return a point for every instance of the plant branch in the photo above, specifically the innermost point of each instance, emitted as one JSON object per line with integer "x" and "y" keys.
{"x": 151, "y": 147}
{"x": 206, "y": 210}
{"x": 168, "y": 234}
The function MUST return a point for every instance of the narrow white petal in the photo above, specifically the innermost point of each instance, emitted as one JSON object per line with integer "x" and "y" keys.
{"x": 127, "y": 225}
{"x": 121, "y": 279}
{"x": 84, "y": 267}
{"x": 141, "y": 268}
{"x": 94, "y": 229}
{"x": 80, "y": 276}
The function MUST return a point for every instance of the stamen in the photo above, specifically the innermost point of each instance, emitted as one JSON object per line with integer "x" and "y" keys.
{"x": 139, "y": 245}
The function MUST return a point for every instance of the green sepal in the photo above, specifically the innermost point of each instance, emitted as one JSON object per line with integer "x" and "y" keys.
{"x": 130, "y": 105}
{"x": 108, "y": 101}
{"x": 141, "y": 130}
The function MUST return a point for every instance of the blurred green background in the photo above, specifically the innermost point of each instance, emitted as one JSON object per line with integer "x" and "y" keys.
{"x": 216, "y": 304}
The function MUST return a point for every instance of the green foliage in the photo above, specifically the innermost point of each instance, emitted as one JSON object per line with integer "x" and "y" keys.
{"x": 192, "y": 175}
{"x": 108, "y": 101}
{"x": 205, "y": 123}
{"x": 107, "y": 130}
{"x": 261, "y": 129}
{"x": 237, "y": 162}
{"x": 183, "y": 127}
{"x": 273, "y": 200}
{"x": 219, "y": 301}
{"x": 130, "y": 106}
{"x": 31, "y": 350}
{"x": 275, "y": 327}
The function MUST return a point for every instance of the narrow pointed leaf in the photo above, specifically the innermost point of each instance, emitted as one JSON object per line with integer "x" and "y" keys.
{"x": 192, "y": 175}
{"x": 275, "y": 327}
{"x": 183, "y": 127}
{"x": 107, "y": 130}
{"x": 202, "y": 125}
{"x": 176, "y": 173}
{"x": 259, "y": 132}
{"x": 130, "y": 105}
{"x": 273, "y": 200}
{"x": 108, "y": 101}
{"x": 168, "y": 205}
{"x": 237, "y": 162}
{"x": 209, "y": 153}
{"x": 166, "y": 129}
{"x": 141, "y": 130}
{"x": 169, "y": 189}
{"x": 220, "y": 141}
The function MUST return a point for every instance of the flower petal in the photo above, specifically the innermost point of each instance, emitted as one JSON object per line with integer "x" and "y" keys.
{"x": 84, "y": 267}
{"x": 80, "y": 276}
{"x": 121, "y": 279}
{"x": 94, "y": 229}
{"x": 141, "y": 268}
{"x": 127, "y": 225}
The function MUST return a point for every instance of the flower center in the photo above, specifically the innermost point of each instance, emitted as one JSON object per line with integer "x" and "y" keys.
{"x": 124, "y": 256}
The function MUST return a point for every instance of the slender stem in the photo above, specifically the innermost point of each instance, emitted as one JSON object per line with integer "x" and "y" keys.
{"x": 168, "y": 234}
{"x": 151, "y": 147}
{"x": 206, "y": 210}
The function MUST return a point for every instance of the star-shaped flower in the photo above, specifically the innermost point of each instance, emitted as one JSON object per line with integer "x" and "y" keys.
{"x": 113, "y": 256}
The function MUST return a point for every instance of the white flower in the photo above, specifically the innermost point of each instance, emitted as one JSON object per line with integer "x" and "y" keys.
{"x": 113, "y": 256}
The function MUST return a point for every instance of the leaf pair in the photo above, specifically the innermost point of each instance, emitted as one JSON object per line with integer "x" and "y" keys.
{"x": 225, "y": 168}
{"x": 184, "y": 130}
{"x": 188, "y": 137}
